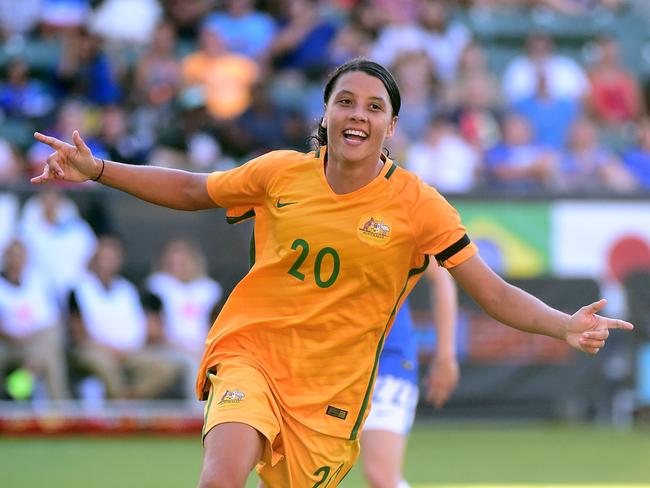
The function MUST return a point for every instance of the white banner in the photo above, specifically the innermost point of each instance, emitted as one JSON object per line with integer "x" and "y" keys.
{"x": 594, "y": 238}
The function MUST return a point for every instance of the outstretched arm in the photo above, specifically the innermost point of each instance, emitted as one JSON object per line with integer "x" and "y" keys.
{"x": 443, "y": 371}
{"x": 171, "y": 188}
{"x": 584, "y": 330}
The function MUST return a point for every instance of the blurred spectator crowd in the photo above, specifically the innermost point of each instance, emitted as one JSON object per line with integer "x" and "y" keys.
{"x": 504, "y": 95}
{"x": 509, "y": 96}
{"x": 72, "y": 326}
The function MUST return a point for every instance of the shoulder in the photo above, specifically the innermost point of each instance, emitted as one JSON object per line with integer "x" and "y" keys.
{"x": 517, "y": 63}
{"x": 267, "y": 164}
{"x": 85, "y": 280}
{"x": 280, "y": 158}
{"x": 32, "y": 277}
{"x": 158, "y": 280}
{"x": 121, "y": 284}
{"x": 418, "y": 199}
{"x": 208, "y": 283}
{"x": 216, "y": 19}
{"x": 277, "y": 162}
{"x": 409, "y": 186}
{"x": 286, "y": 156}
{"x": 208, "y": 287}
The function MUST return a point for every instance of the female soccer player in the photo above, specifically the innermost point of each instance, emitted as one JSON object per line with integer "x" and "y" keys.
{"x": 395, "y": 396}
{"x": 341, "y": 236}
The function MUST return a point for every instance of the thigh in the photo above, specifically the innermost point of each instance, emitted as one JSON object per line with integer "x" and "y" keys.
{"x": 230, "y": 451}
{"x": 394, "y": 401}
{"x": 310, "y": 459}
{"x": 151, "y": 362}
{"x": 45, "y": 345}
{"x": 98, "y": 359}
{"x": 147, "y": 358}
{"x": 187, "y": 360}
{"x": 240, "y": 393}
{"x": 382, "y": 454}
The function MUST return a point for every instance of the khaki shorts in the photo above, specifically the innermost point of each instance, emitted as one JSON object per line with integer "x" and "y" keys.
{"x": 295, "y": 456}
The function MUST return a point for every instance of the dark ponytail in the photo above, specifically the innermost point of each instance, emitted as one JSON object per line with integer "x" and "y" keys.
{"x": 321, "y": 134}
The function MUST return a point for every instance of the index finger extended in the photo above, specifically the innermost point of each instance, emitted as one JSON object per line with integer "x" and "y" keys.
{"x": 53, "y": 142}
{"x": 617, "y": 324}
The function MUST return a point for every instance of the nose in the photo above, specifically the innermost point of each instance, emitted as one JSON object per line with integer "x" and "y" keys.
{"x": 359, "y": 114}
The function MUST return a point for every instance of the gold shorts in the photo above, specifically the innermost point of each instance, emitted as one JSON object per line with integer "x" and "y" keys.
{"x": 295, "y": 456}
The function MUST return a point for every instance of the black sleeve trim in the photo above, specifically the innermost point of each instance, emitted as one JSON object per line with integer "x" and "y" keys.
{"x": 457, "y": 246}
{"x": 240, "y": 218}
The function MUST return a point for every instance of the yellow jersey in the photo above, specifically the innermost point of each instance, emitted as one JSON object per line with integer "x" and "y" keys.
{"x": 329, "y": 274}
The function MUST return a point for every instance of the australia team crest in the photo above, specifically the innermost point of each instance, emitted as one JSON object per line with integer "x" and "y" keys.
{"x": 374, "y": 230}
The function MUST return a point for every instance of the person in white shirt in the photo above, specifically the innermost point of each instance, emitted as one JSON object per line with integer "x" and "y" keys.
{"x": 443, "y": 159}
{"x": 111, "y": 330}
{"x": 30, "y": 328}
{"x": 431, "y": 31}
{"x": 566, "y": 79}
{"x": 59, "y": 242}
{"x": 188, "y": 300}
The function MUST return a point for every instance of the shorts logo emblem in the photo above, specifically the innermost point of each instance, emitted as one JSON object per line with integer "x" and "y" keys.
{"x": 231, "y": 397}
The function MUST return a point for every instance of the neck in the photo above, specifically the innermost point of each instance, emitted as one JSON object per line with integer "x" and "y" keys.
{"x": 105, "y": 280}
{"x": 184, "y": 279}
{"x": 346, "y": 176}
{"x": 12, "y": 276}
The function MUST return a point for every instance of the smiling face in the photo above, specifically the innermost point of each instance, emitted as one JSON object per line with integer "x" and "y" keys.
{"x": 358, "y": 117}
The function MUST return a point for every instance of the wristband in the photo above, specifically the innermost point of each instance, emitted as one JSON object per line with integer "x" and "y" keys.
{"x": 101, "y": 172}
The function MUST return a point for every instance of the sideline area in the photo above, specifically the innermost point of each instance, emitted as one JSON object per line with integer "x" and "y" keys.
{"x": 500, "y": 485}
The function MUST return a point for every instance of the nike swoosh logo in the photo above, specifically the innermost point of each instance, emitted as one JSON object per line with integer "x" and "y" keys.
{"x": 280, "y": 204}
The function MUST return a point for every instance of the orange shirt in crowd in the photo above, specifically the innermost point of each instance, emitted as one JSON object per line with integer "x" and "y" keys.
{"x": 226, "y": 80}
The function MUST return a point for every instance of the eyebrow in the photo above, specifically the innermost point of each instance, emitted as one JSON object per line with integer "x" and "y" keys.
{"x": 345, "y": 92}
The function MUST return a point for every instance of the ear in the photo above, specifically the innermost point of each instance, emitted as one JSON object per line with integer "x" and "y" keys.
{"x": 323, "y": 119}
{"x": 391, "y": 128}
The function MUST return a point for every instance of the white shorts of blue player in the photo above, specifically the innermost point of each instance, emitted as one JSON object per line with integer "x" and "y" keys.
{"x": 393, "y": 408}
{"x": 393, "y": 405}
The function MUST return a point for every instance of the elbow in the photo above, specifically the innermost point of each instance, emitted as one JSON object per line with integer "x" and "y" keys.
{"x": 194, "y": 195}
{"x": 187, "y": 205}
{"x": 491, "y": 308}
{"x": 181, "y": 202}
{"x": 494, "y": 299}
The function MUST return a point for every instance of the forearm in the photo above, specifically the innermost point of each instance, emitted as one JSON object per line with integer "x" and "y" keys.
{"x": 177, "y": 189}
{"x": 444, "y": 297}
{"x": 584, "y": 330}
{"x": 506, "y": 303}
{"x": 518, "y": 309}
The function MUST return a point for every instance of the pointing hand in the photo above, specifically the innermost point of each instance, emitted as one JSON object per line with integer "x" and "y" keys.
{"x": 68, "y": 163}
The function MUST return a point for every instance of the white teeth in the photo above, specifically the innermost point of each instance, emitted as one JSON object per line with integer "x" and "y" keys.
{"x": 352, "y": 132}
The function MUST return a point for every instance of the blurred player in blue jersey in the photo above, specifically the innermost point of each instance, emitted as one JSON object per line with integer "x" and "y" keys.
{"x": 395, "y": 397}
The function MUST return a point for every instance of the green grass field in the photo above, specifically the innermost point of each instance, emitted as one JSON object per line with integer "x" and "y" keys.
{"x": 440, "y": 455}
